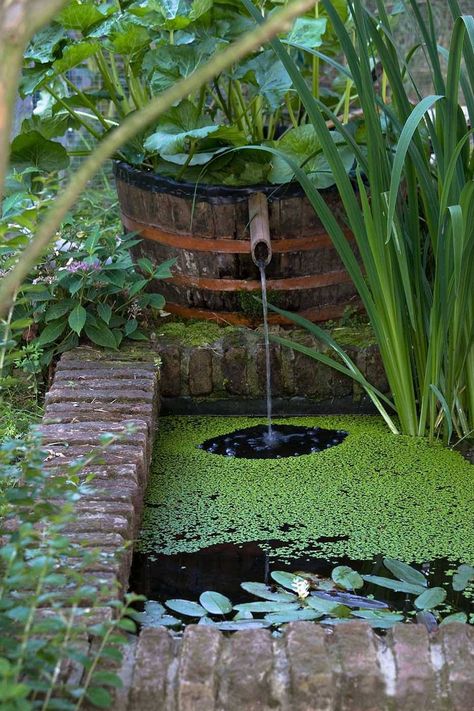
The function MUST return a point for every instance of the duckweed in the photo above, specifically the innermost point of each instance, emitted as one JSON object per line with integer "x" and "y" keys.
{"x": 374, "y": 493}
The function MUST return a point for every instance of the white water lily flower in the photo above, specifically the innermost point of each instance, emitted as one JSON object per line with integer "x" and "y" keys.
{"x": 301, "y": 587}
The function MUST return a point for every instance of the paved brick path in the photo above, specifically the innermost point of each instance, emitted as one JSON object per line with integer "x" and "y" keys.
{"x": 348, "y": 668}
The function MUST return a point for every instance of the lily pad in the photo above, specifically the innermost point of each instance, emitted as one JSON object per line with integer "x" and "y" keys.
{"x": 186, "y": 607}
{"x": 430, "y": 598}
{"x": 277, "y": 618}
{"x": 347, "y": 578}
{"x": 405, "y": 572}
{"x": 215, "y": 603}
{"x": 264, "y": 591}
{"x": 397, "y": 585}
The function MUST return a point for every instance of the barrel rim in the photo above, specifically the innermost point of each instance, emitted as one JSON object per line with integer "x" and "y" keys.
{"x": 215, "y": 194}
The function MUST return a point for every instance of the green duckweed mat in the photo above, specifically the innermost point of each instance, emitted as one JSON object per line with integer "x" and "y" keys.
{"x": 395, "y": 495}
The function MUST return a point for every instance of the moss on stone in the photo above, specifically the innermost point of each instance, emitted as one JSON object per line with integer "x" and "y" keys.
{"x": 399, "y": 496}
{"x": 193, "y": 333}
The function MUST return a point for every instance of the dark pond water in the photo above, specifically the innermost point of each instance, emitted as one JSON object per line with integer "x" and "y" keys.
{"x": 284, "y": 441}
{"x": 223, "y": 567}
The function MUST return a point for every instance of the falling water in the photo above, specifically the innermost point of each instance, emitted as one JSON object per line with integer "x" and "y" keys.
{"x": 270, "y": 435}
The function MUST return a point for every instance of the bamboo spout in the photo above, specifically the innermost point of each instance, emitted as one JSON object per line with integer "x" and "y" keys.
{"x": 260, "y": 243}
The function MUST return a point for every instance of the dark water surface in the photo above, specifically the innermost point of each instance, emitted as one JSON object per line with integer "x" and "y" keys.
{"x": 259, "y": 442}
{"x": 223, "y": 567}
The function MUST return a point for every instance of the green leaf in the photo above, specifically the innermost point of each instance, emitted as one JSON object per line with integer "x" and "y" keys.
{"x": 273, "y": 81}
{"x": 397, "y": 585}
{"x": 323, "y": 605}
{"x": 80, "y": 16}
{"x": 43, "y": 45}
{"x": 107, "y": 678}
{"x": 462, "y": 577}
{"x": 405, "y": 572}
{"x": 99, "y": 697}
{"x": 236, "y": 625}
{"x": 31, "y": 149}
{"x": 262, "y": 590}
{"x": 379, "y": 615}
{"x": 52, "y": 332}
{"x": 277, "y": 618}
{"x": 430, "y": 598}
{"x": 105, "y": 312}
{"x": 215, "y": 603}
{"x": 455, "y": 617}
{"x": 101, "y": 335}
{"x": 308, "y": 32}
{"x": 347, "y": 578}
{"x": 130, "y": 326}
{"x": 75, "y": 54}
{"x": 163, "y": 271}
{"x": 77, "y": 319}
{"x": 267, "y": 606}
{"x": 156, "y": 301}
{"x": 186, "y": 607}
{"x": 285, "y": 579}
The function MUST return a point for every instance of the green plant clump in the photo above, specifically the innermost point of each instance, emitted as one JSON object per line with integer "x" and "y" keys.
{"x": 396, "y": 495}
{"x": 193, "y": 333}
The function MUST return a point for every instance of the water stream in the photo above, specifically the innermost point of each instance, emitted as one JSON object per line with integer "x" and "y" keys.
{"x": 270, "y": 437}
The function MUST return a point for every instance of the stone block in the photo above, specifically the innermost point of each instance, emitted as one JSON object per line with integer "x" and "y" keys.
{"x": 153, "y": 659}
{"x": 245, "y": 672}
{"x": 234, "y": 370}
{"x": 197, "y": 675}
{"x": 457, "y": 641}
{"x": 360, "y": 684}
{"x": 170, "y": 381}
{"x": 415, "y": 682}
{"x": 311, "y": 671}
{"x": 200, "y": 372}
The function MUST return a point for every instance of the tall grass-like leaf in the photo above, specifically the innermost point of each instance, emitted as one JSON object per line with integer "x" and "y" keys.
{"x": 410, "y": 214}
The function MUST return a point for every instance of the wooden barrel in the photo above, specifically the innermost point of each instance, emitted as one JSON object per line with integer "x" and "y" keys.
{"x": 207, "y": 229}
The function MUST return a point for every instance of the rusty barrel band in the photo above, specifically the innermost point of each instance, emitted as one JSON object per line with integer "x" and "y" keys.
{"x": 236, "y": 318}
{"x": 224, "y": 245}
{"x": 313, "y": 281}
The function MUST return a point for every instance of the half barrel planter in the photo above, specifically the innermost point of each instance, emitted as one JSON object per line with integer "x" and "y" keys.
{"x": 207, "y": 229}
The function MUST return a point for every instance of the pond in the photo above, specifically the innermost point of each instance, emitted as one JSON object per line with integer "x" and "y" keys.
{"x": 213, "y": 521}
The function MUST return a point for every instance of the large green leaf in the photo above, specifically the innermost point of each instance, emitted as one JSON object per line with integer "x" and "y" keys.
{"x": 266, "y": 606}
{"x": 327, "y": 606}
{"x": 277, "y": 618}
{"x": 75, "y": 54}
{"x": 52, "y": 332}
{"x": 31, "y": 149}
{"x": 186, "y": 607}
{"x": 455, "y": 617}
{"x": 44, "y": 44}
{"x": 347, "y": 578}
{"x": 462, "y": 577}
{"x": 77, "y": 319}
{"x": 308, "y": 32}
{"x": 405, "y": 572}
{"x": 272, "y": 79}
{"x": 80, "y": 15}
{"x": 101, "y": 335}
{"x": 264, "y": 591}
{"x": 397, "y": 585}
{"x": 215, "y": 603}
{"x": 430, "y": 598}
{"x": 285, "y": 579}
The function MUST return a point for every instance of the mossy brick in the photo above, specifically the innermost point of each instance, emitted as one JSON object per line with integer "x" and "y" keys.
{"x": 415, "y": 688}
{"x": 107, "y": 523}
{"x": 67, "y": 412}
{"x": 116, "y": 454}
{"x": 360, "y": 684}
{"x": 153, "y": 660}
{"x": 117, "y": 394}
{"x": 96, "y": 538}
{"x": 197, "y": 674}
{"x": 234, "y": 370}
{"x": 200, "y": 372}
{"x": 128, "y": 372}
{"x": 310, "y": 667}
{"x": 170, "y": 381}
